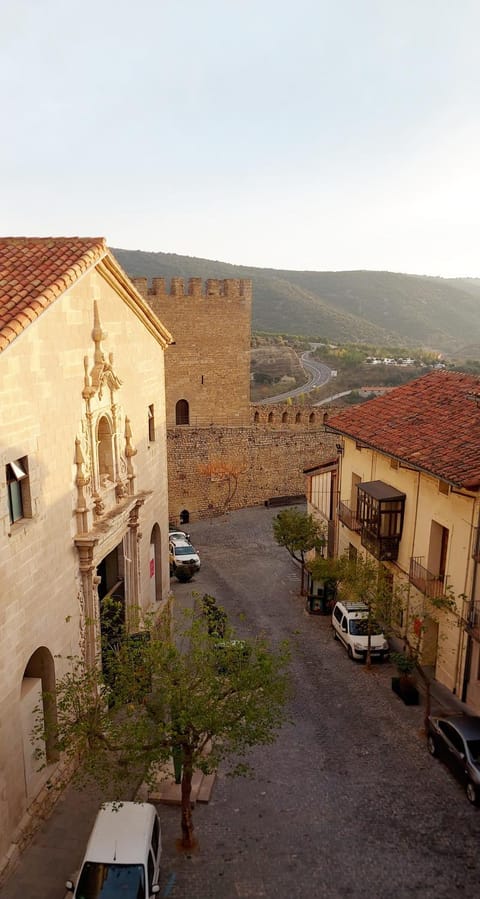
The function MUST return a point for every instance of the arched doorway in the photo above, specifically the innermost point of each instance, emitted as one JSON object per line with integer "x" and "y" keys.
{"x": 38, "y": 707}
{"x": 111, "y": 595}
{"x": 155, "y": 565}
{"x": 182, "y": 413}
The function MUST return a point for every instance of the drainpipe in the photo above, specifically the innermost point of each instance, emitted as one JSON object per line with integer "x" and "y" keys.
{"x": 471, "y": 613}
{"x": 407, "y": 610}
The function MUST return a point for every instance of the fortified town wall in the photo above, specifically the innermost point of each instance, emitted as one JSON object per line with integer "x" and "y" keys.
{"x": 223, "y": 452}
{"x": 214, "y": 469}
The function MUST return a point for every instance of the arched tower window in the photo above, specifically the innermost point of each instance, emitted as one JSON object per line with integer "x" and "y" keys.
{"x": 270, "y": 417}
{"x": 256, "y": 417}
{"x": 182, "y": 413}
{"x": 105, "y": 448}
{"x": 298, "y": 418}
{"x": 312, "y": 418}
{"x": 285, "y": 417}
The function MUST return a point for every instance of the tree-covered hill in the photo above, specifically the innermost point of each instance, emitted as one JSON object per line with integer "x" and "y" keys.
{"x": 374, "y": 307}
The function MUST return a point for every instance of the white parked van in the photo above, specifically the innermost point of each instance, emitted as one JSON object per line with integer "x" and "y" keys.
{"x": 123, "y": 854}
{"x": 350, "y": 626}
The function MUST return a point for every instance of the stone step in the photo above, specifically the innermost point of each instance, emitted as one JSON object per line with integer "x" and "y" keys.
{"x": 167, "y": 791}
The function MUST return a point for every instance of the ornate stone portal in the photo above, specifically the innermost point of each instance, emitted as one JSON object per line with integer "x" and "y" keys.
{"x": 107, "y": 507}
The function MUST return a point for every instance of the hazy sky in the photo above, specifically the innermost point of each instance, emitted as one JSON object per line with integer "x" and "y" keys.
{"x": 316, "y": 134}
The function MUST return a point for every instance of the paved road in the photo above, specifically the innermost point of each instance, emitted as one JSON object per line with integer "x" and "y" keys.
{"x": 346, "y": 803}
{"x": 318, "y": 373}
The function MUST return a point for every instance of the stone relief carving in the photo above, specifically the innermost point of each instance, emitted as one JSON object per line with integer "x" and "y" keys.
{"x": 104, "y": 449}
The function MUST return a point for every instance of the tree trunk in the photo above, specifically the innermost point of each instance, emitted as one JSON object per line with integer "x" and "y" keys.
{"x": 187, "y": 821}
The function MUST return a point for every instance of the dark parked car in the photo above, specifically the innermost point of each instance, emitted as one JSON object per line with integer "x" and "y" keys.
{"x": 456, "y": 740}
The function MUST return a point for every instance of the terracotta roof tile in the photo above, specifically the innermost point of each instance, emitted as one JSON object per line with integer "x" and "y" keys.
{"x": 34, "y": 271}
{"x": 432, "y": 423}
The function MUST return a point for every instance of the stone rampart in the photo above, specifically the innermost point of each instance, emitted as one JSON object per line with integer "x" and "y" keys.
{"x": 284, "y": 415}
{"x": 212, "y": 470}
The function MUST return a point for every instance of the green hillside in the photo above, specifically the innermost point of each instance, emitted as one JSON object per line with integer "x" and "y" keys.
{"x": 373, "y": 307}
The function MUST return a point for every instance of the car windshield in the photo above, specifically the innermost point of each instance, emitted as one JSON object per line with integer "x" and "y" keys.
{"x": 103, "y": 881}
{"x": 359, "y": 627}
{"x": 186, "y": 550}
{"x": 474, "y": 750}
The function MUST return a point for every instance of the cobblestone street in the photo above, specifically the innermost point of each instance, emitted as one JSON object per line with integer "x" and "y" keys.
{"x": 347, "y": 802}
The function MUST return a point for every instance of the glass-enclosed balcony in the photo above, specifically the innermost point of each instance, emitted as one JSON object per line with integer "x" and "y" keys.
{"x": 381, "y": 512}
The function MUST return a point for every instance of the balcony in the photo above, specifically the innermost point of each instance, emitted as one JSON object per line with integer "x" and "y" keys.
{"x": 431, "y": 585}
{"x": 348, "y": 517}
{"x": 385, "y": 549}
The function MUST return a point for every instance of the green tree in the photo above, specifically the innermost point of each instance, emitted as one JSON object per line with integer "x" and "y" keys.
{"x": 299, "y": 533}
{"x": 173, "y": 694}
{"x": 364, "y": 580}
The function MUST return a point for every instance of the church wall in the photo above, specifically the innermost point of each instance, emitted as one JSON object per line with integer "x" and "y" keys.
{"x": 43, "y": 412}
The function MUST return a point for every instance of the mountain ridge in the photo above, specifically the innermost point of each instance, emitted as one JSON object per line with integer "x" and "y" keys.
{"x": 355, "y": 306}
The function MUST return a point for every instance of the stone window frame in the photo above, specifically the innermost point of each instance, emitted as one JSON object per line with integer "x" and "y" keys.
{"x": 18, "y": 490}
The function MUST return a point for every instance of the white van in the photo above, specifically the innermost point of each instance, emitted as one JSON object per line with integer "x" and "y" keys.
{"x": 350, "y": 626}
{"x": 123, "y": 854}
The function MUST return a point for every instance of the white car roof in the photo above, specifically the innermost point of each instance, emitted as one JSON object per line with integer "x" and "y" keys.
{"x": 121, "y": 833}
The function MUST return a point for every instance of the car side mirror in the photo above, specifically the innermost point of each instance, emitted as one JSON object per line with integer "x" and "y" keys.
{"x": 69, "y": 886}
{"x": 344, "y": 628}
{"x": 155, "y": 889}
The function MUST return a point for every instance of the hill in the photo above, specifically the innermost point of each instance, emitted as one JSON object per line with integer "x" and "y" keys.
{"x": 383, "y": 308}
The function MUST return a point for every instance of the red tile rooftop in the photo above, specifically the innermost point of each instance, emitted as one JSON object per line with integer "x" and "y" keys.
{"x": 34, "y": 271}
{"x": 432, "y": 423}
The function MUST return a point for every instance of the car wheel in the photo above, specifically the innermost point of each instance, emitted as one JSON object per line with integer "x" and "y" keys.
{"x": 431, "y": 745}
{"x": 350, "y": 652}
{"x": 471, "y": 792}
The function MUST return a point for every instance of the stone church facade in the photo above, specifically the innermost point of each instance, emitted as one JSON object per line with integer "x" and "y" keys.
{"x": 83, "y": 483}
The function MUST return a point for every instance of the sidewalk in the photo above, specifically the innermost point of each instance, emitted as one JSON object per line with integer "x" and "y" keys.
{"x": 56, "y": 850}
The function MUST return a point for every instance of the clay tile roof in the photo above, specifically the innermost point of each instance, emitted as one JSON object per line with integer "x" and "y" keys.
{"x": 432, "y": 423}
{"x": 34, "y": 271}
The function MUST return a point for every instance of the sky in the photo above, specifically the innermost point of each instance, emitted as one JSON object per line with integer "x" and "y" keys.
{"x": 317, "y": 134}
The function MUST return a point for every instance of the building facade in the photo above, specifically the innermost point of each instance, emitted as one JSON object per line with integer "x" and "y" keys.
{"x": 83, "y": 482}
{"x": 408, "y": 495}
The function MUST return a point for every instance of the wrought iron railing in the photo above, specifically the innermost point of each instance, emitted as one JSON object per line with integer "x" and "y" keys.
{"x": 432, "y": 585}
{"x": 348, "y": 517}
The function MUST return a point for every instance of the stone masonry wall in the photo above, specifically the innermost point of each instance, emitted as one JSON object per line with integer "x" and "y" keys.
{"x": 231, "y": 453}
{"x": 214, "y": 469}
{"x": 209, "y": 365}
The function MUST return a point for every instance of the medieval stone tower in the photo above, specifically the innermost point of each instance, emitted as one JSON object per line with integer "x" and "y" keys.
{"x": 207, "y": 371}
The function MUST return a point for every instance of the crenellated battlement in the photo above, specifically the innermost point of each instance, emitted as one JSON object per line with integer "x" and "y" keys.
{"x": 233, "y": 288}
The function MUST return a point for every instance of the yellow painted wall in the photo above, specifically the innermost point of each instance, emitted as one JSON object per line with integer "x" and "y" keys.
{"x": 424, "y": 504}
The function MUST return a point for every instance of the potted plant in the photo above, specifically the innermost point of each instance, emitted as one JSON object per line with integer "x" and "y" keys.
{"x": 404, "y": 685}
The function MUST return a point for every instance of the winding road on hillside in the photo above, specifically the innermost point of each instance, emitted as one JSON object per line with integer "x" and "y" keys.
{"x": 318, "y": 374}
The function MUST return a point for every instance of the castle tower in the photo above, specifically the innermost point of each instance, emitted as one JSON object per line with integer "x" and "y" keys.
{"x": 207, "y": 371}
